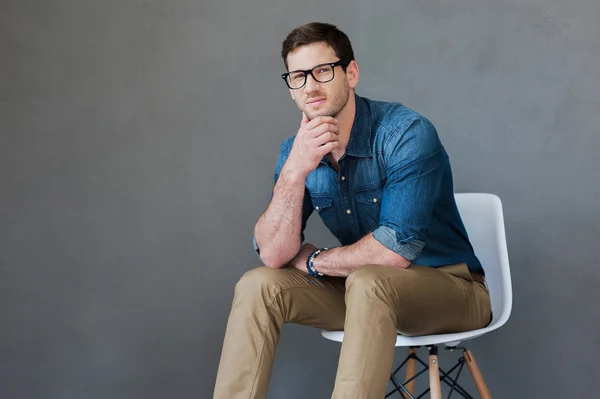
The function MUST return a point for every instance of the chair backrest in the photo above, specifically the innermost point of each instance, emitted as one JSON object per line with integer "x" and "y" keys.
{"x": 483, "y": 218}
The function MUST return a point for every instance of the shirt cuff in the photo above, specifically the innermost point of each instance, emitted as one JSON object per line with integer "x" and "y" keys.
{"x": 409, "y": 248}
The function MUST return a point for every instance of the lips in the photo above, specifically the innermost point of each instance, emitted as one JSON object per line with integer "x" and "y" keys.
{"x": 316, "y": 101}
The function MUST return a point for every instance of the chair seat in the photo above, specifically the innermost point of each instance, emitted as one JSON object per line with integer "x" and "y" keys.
{"x": 424, "y": 340}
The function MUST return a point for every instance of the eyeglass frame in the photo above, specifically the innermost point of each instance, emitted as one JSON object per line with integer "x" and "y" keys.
{"x": 307, "y": 72}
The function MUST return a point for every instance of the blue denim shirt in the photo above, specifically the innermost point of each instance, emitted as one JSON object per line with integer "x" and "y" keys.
{"x": 394, "y": 181}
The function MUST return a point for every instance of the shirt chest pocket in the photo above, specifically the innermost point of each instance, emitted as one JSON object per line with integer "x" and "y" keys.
{"x": 368, "y": 201}
{"x": 323, "y": 205}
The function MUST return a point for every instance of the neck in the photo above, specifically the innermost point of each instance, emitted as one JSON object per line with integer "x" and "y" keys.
{"x": 345, "y": 120}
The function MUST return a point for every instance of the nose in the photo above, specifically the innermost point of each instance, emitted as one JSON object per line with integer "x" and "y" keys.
{"x": 311, "y": 84}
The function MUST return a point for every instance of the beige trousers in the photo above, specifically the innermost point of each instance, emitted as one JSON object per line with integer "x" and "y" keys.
{"x": 371, "y": 305}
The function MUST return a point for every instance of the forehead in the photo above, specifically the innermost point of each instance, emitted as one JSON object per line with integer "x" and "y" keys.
{"x": 306, "y": 57}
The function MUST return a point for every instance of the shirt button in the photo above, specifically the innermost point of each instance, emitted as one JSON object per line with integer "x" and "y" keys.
{"x": 343, "y": 177}
{"x": 317, "y": 208}
{"x": 374, "y": 199}
{"x": 348, "y": 211}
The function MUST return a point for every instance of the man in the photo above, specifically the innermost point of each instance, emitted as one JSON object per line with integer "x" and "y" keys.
{"x": 380, "y": 179}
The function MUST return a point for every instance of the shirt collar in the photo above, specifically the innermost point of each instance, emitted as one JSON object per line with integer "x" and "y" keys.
{"x": 359, "y": 143}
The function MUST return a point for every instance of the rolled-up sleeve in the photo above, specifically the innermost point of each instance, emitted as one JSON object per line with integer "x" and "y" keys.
{"x": 307, "y": 208}
{"x": 415, "y": 163}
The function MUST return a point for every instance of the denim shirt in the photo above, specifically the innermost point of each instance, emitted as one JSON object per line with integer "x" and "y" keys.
{"x": 394, "y": 181}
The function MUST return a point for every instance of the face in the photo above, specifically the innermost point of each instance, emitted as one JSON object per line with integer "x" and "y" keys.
{"x": 322, "y": 99}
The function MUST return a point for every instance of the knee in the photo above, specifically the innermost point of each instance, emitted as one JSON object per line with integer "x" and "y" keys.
{"x": 373, "y": 280}
{"x": 364, "y": 280}
{"x": 261, "y": 282}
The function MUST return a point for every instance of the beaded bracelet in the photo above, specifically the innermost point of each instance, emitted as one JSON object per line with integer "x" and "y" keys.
{"x": 309, "y": 263}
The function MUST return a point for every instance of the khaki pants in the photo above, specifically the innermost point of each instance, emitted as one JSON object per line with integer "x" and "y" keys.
{"x": 372, "y": 305}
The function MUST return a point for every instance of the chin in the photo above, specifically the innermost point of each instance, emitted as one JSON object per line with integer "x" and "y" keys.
{"x": 320, "y": 112}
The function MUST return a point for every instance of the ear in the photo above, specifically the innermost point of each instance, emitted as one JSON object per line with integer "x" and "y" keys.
{"x": 352, "y": 74}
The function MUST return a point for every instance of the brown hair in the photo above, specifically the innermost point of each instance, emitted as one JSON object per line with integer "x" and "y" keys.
{"x": 315, "y": 32}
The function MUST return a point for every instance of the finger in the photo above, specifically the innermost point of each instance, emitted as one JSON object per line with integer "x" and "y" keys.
{"x": 305, "y": 119}
{"x": 323, "y": 128}
{"x": 326, "y": 137}
{"x": 320, "y": 120}
{"x": 328, "y": 147}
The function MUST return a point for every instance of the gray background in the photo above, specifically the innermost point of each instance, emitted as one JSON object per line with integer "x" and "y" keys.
{"x": 137, "y": 146}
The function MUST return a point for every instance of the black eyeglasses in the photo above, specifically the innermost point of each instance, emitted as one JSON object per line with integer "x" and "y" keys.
{"x": 322, "y": 73}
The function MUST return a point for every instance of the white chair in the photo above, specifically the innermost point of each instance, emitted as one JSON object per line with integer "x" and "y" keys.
{"x": 484, "y": 221}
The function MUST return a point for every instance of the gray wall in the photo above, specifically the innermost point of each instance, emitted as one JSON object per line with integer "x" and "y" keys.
{"x": 137, "y": 146}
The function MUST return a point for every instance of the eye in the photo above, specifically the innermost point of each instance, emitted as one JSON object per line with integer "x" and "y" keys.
{"x": 297, "y": 76}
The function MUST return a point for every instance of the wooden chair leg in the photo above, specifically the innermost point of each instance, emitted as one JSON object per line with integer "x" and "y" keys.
{"x": 476, "y": 374}
{"x": 434, "y": 374}
{"x": 411, "y": 370}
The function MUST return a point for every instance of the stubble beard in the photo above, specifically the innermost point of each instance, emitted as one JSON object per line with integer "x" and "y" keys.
{"x": 338, "y": 102}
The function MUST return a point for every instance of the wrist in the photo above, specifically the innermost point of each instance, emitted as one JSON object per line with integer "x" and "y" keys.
{"x": 310, "y": 262}
{"x": 292, "y": 175}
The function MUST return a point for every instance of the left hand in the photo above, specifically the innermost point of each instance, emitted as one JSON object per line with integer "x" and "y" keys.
{"x": 299, "y": 261}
